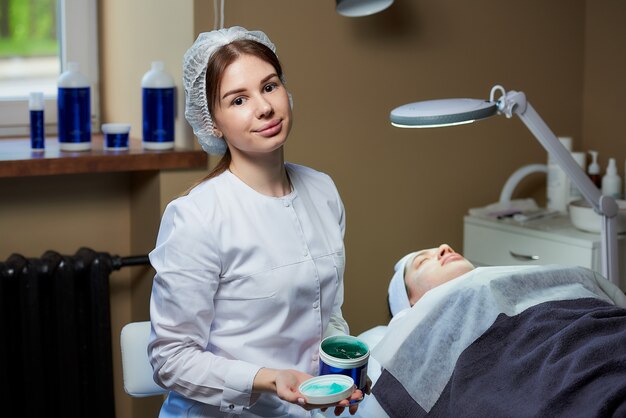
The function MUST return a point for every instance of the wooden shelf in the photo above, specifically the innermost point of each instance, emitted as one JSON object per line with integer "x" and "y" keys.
{"x": 17, "y": 159}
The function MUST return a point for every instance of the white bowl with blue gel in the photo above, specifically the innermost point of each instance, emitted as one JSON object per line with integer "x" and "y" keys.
{"x": 327, "y": 389}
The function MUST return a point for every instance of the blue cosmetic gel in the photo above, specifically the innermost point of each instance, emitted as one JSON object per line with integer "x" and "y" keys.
{"x": 344, "y": 350}
{"x": 324, "y": 389}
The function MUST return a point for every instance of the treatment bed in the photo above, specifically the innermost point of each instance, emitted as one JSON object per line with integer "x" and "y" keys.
{"x": 544, "y": 341}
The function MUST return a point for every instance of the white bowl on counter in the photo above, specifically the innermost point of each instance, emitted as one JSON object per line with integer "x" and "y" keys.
{"x": 586, "y": 219}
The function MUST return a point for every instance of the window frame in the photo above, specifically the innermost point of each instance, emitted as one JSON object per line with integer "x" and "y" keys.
{"x": 78, "y": 41}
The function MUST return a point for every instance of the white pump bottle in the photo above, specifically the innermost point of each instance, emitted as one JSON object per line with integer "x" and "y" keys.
{"x": 612, "y": 182}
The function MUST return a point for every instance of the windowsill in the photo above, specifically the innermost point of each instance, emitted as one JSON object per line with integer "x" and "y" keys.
{"x": 17, "y": 159}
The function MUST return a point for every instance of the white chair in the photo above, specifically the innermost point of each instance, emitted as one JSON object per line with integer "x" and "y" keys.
{"x": 136, "y": 367}
{"x": 137, "y": 371}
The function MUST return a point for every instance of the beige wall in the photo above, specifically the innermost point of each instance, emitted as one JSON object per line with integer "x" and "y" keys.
{"x": 132, "y": 35}
{"x": 402, "y": 189}
{"x": 604, "y": 86}
{"x": 406, "y": 189}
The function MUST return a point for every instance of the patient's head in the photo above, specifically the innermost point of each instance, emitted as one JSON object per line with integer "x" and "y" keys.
{"x": 418, "y": 272}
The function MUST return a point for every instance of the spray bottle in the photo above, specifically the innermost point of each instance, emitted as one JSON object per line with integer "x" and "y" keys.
{"x": 74, "y": 110}
{"x": 37, "y": 124}
{"x": 611, "y": 182}
{"x": 593, "y": 170}
{"x": 158, "y": 108}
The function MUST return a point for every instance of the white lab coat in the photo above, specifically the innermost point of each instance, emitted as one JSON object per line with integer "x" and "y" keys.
{"x": 244, "y": 281}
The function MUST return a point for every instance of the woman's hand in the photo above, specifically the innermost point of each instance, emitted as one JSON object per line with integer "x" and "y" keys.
{"x": 285, "y": 384}
{"x": 288, "y": 381}
{"x": 356, "y": 397}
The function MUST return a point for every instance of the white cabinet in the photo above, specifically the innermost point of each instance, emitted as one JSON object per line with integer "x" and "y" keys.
{"x": 491, "y": 242}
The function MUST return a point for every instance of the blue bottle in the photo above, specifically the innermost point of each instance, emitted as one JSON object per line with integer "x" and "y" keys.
{"x": 74, "y": 110}
{"x": 37, "y": 123}
{"x": 159, "y": 94}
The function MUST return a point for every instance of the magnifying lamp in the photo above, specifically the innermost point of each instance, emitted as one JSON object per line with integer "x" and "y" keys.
{"x": 356, "y": 8}
{"x": 448, "y": 112}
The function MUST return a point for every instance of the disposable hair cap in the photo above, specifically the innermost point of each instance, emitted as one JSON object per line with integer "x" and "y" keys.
{"x": 398, "y": 296}
{"x": 194, "y": 79}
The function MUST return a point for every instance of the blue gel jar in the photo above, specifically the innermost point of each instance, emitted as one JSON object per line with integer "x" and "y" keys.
{"x": 346, "y": 355}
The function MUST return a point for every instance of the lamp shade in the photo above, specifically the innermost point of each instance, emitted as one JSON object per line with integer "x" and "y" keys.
{"x": 435, "y": 113}
{"x": 356, "y": 8}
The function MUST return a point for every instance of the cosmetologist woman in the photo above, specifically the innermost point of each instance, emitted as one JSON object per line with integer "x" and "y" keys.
{"x": 249, "y": 263}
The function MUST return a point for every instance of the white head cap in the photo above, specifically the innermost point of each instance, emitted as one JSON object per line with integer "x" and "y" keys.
{"x": 194, "y": 80}
{"x": 398, "y": 297}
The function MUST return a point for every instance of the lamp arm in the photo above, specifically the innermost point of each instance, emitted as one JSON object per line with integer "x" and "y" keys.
{"x": 515, "y": 102}
{"x": 562, "y": 156}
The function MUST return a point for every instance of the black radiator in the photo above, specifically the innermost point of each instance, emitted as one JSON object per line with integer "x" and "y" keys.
{"x": 55, "y": 344}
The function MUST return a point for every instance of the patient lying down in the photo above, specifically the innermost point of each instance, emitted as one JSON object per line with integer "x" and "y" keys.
{"x": 418, "y": 272}
{"x": 501, "y": 341}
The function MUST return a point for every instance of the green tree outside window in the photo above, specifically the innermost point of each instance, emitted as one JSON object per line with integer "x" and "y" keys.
{"x": 28, "y": 28}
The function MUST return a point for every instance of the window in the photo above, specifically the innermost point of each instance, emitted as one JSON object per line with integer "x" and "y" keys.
{"x": 31, "y": 59}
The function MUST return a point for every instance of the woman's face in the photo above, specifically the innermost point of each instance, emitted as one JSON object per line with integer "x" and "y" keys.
{"x": 253, "y": 111}
{"x": 433, "y": 267}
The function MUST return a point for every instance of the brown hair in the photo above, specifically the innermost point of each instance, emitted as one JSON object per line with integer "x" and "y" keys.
{"x": 216, "y": 66}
